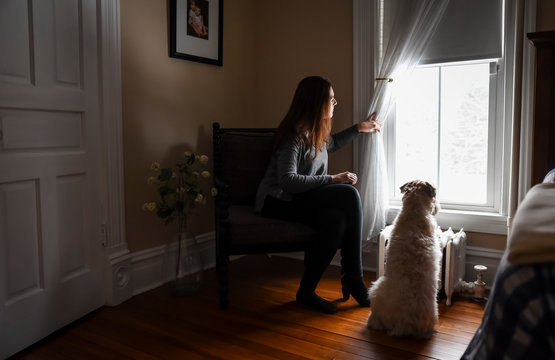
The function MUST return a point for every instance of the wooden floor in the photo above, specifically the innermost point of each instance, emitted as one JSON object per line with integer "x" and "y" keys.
{"x": 262, "y": 322}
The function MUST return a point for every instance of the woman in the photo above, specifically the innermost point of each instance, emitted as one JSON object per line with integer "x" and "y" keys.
{"x": 297, "y": 187}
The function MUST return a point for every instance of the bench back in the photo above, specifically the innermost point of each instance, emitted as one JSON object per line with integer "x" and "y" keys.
{"x": 241, "y": 157}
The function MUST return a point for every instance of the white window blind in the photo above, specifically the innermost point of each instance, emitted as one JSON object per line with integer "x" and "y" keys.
{"x": 469, "y": 30}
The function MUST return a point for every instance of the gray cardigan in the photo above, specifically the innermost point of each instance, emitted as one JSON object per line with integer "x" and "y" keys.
{"x": 293, "y": 168}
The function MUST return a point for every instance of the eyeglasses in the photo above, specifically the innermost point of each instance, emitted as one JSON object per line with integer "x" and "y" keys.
{"x": 333, "y": 101}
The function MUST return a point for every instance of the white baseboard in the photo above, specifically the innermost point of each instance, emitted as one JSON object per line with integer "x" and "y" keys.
{"x": 118, "y": 281}
{"x": 482, "y": 256}
{"x": 369, "y": 257}
{"x": 147, "y": 269}
{"x": 135, "y": 273}
{"x": 474, "y": 256}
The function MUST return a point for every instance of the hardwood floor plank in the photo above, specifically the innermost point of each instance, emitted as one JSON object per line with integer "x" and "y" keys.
{"x": 150, "y": 340}
{"x": 111, "y": 346}
{"x": 237, "y": 334}
{"x": 177, "y": 339}
{"x": 279, "y": 332}
{"x": 262, "y": 322}
{"x": 344, "y": 324}
{"x": 245, "y": 327}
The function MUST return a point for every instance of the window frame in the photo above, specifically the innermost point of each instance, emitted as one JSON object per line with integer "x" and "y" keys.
{"x": 493, "y": 220}
{"x": 493, "y": 203}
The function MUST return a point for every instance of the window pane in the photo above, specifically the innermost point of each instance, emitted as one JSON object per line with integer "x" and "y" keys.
{"x": 416, "y": 128}
{"x": 441, "y": 131}
{"x": 464, "y": 133}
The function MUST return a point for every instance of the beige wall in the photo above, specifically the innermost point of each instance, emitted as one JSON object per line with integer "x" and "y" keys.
{"x": 309, "y": 37}
{"x": 545, "y": 15}
{"x": 169, "y": 104}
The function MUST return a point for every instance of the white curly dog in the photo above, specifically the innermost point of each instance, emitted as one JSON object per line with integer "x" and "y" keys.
{"x": 403, "y": 300}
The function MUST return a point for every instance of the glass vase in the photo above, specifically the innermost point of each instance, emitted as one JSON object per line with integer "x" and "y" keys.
{"x": 189, "y": 269}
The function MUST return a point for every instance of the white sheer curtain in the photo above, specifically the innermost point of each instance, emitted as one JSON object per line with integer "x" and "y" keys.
{"x": 409, "y": 27}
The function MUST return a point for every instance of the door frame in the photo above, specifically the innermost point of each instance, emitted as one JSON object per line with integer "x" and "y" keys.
{"x": 118, "y": 286}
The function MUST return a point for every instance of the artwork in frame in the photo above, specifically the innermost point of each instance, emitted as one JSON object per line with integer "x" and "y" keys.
{"x": 196, "y": 29}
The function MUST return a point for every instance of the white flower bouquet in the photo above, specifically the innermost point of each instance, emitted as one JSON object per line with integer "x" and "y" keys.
{"x": 179, "y": 187}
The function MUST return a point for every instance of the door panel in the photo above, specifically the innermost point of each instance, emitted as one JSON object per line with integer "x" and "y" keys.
{"x": 15, "y": 64}
{"x": 40, "y": 130}
{"x": 50, "y": 250}
{"x": 22, "y": 244}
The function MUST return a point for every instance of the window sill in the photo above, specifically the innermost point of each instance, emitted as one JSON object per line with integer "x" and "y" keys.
{"x": 481, "y": 222}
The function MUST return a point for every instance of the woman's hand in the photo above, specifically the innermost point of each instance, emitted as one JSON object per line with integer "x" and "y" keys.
{"x": 369, "y": 125}
{"x": 344, "y": 178}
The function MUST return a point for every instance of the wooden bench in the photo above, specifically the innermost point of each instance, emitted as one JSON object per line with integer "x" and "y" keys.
{"x": 241, "y": 156}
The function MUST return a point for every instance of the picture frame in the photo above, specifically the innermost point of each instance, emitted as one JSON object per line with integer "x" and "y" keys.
{"x": 196, "y": 30}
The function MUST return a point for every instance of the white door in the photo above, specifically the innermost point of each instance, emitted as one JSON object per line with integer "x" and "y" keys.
{"x": 50, "y": 211}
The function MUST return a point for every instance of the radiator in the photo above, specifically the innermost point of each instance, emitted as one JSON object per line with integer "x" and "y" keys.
{"x": 454, "y": 258}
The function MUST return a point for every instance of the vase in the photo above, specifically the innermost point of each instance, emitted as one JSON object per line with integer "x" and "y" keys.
{"x": 189, "y": 269}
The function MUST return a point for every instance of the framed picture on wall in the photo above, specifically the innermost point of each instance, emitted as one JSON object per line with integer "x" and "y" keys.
{"x": 196, "y": 29}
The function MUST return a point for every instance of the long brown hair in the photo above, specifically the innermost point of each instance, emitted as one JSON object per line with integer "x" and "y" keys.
{"x": 307, "y": 117}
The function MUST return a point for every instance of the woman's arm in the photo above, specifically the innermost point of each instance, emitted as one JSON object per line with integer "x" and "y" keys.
{"x": 338, "y": 140}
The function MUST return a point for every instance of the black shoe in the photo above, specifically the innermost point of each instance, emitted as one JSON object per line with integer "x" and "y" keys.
{"x": 314, "y": 301}
{"x": 357, "y": 289}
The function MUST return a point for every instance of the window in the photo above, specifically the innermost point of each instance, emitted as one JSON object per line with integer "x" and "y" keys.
{"x": 444, "y": 132}
{"x": 452, "y": 124}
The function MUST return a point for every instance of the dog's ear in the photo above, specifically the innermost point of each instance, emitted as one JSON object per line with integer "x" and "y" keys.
{"x": 406, "y": 187}
{"x": 430, "y": 190}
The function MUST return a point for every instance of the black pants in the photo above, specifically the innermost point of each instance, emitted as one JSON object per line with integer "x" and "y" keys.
{"x": 335, "y": 211}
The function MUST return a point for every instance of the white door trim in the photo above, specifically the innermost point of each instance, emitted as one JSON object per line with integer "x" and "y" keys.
{"x": 118, "y": 261}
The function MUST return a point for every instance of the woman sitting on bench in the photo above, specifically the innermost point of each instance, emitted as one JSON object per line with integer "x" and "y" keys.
{"x": 297, "y": 187}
